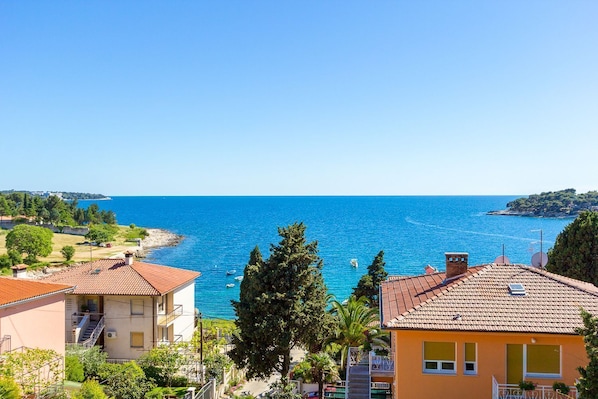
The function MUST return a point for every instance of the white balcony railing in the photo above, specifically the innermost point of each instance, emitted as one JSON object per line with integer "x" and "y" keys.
{"x": 512, "y": 391}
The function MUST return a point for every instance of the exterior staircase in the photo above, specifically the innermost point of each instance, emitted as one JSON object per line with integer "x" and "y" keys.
{"x": 358, "y": 381}
{"x": 88, "y": 331}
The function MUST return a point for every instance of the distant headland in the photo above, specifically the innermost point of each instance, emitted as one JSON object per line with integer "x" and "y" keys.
{"x": 65, "y": 195}
{"x": 555, "y": 204}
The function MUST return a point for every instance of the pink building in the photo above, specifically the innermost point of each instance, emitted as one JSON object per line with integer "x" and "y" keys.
{"x": 32, "y": 314}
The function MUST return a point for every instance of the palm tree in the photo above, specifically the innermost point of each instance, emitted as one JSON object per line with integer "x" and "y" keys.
{"x": 323, "y": 369}
{"x": 358, "y": 325}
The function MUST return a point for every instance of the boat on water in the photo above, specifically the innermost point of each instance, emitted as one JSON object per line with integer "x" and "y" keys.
{"x": 230, "y": 285}
{"x": 231, "y": 272}
{"x": 354, "y": 262}
{"x": 239, "y": 278}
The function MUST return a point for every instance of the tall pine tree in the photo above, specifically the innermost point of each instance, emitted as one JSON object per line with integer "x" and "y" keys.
{"x": 282, "y": 304}
{"x": 369, "y": 284}
{"x": 587, "y": 385}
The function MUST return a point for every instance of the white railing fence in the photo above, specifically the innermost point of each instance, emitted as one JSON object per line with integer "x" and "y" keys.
{"x": 512, "y": 391}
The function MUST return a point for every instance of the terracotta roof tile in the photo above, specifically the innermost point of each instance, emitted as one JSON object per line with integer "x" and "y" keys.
{"x": 115, "y": 277}
{"x": 481, "y": 301}
{"x": 17, "y": 289}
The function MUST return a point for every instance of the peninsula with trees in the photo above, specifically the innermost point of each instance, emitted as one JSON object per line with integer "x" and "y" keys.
{"x": 556, "y": 204}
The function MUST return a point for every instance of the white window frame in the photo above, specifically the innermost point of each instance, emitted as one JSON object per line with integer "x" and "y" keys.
{"x": 439, "y": 363}
{"x": 542, "y": 375}
{"x": 135, "y": 306}
{"x": 466, "y": 362}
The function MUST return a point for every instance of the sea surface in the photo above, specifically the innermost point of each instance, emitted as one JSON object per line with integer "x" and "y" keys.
{"x": 413, "y": 231}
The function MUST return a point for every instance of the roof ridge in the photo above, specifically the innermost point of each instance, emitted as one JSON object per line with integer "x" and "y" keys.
{"x": 442, "y": 292}
{"x": 562, "y": 279}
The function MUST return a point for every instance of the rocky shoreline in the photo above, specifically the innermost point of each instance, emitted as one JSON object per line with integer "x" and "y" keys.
{"x": 507, "y": 212}
{"x": 159, "y": 238}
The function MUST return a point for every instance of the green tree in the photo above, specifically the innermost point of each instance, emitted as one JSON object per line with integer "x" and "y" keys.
{"x": 101, "y": 233}
{"x": 33, "y": 240}
{"x": 319, "y": 368}
{"x": 68, "y": 251}
{"x": 161, "y": 363}
{"x": 587, "y": 384}
{"x": 90, "y": 389}
{"x": 125, "y": 381}
{"x": 369, "y": 284}
{"x": 9, "y": 388}
{"x": 357, "y": 326}
{"x": 91, "y": 359}
{"x": 575, "y": 252}
{"x": 282, "y": 304}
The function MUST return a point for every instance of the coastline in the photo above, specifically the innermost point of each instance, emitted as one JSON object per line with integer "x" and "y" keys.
{"x": 158, "y": 238}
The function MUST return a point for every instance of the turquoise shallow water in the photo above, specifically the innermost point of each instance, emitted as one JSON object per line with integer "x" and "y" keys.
{"x": 413, "y": 232}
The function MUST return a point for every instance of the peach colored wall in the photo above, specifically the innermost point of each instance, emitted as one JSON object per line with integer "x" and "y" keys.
{"x": 35, "y": 324}
{"x": 412, "y": 383}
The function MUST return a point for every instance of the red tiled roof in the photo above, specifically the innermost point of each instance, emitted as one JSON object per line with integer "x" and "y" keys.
{"x": 17, "y": 289}
{"x": 480, "y": 301}
{"x": 114, "y": 277}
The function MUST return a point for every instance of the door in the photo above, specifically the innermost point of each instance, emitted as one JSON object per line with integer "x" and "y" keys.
{"x": 514, "y": 363}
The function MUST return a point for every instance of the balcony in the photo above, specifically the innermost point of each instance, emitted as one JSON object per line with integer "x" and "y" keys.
{"x": 87, "y": 328}
{"x": 164, "y": 320}
{"x": 512, "y": 391}
{"x": 381, "y": 365}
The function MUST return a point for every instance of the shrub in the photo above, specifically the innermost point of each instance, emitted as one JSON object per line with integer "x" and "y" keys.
{"x": 15, "y": 257}
{"x": 68, "y": 251}
{"x": 74, "y": 369}
{"x": 5, "y": 261}
{"x": 90, "y": 389}
{"x": 561, "y": 387}
{"x": 9, "y": 389}
{"x": 527, "y": 385}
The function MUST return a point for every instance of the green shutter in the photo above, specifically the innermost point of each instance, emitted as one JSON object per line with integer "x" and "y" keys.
{"x": 544, "y": 359}
{"x": 439, "y": 351}
{"x": 469, "y": 352}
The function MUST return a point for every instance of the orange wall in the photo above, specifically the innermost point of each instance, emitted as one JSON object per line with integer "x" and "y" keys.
{"x": 35, "y": 324}
{"x": 412, "y": 383}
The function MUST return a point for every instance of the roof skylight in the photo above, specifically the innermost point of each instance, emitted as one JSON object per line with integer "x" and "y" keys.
{"x": 516, "y": 289}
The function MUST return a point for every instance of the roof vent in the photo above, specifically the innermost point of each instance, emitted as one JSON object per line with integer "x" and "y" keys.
{"x": 516, "y": 289}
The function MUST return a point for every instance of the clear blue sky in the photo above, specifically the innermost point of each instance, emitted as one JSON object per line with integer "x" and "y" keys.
{"x": 299, "y": 97}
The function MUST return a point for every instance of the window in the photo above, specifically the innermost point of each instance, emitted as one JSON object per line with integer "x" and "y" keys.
{"x": 471, "y": 364}
{"x": 439, "y": 357}
{"x": 136, "y": 340}
{"x": 161, "y": 301}
{"x": 543, "y": 361}
{"x": 136, "y": 306}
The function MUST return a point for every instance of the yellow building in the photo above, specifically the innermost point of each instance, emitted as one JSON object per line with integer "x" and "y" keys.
{"x": 476, "y": 332}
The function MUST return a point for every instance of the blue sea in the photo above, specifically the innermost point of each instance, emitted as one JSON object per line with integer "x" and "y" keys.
{"x": 413, "y": 231}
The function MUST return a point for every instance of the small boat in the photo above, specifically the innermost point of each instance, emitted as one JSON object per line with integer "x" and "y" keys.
{"x": 239, "y": 278}
{"x": 230, "y": 272}
{"x": 354, "y": 262}
{"x": 230, "y": 285}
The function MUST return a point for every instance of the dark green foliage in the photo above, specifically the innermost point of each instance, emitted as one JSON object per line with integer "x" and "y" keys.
{"x": 369, "y": 284}
{"x": 125, "y": 381}
{"x": 15, "y": 257}
{"x": 587, "y": 384}
{"x": 282, "y": 304}
{"x": 68, "y": 251}
{"x": 561, "y": 387}
{"x": 5, "y": 261}
{"x": 557, "y": 203}
{"x": 319, "y": 368}
{"x": 101, "y": 232}
{"x": 575, "y": 252}
{"x": 282, "y": 389}
{"x": 73, "y": 369}
{"x": 90, "y": 389}
{"x": 31, "y": 240}
{"x": 9, "y": 389}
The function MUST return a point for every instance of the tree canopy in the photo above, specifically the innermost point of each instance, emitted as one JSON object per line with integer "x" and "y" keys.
{"x": 587, "y": 385}
{"x": 369, "y": 284}
{"x": 575, "y": 252}
{"x": 554, "y": 203}
{"x": 32, "y": 240}
{"x": 282, "y": 304}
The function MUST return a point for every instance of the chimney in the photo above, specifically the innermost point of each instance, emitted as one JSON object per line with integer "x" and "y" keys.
{"x": 456, "y": 263}
{"x": 19, "y": 271}
{"x": 129, "y": 257}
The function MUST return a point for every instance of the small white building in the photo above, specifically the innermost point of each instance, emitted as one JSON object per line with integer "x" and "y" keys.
{"x": 127, "y": 306}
